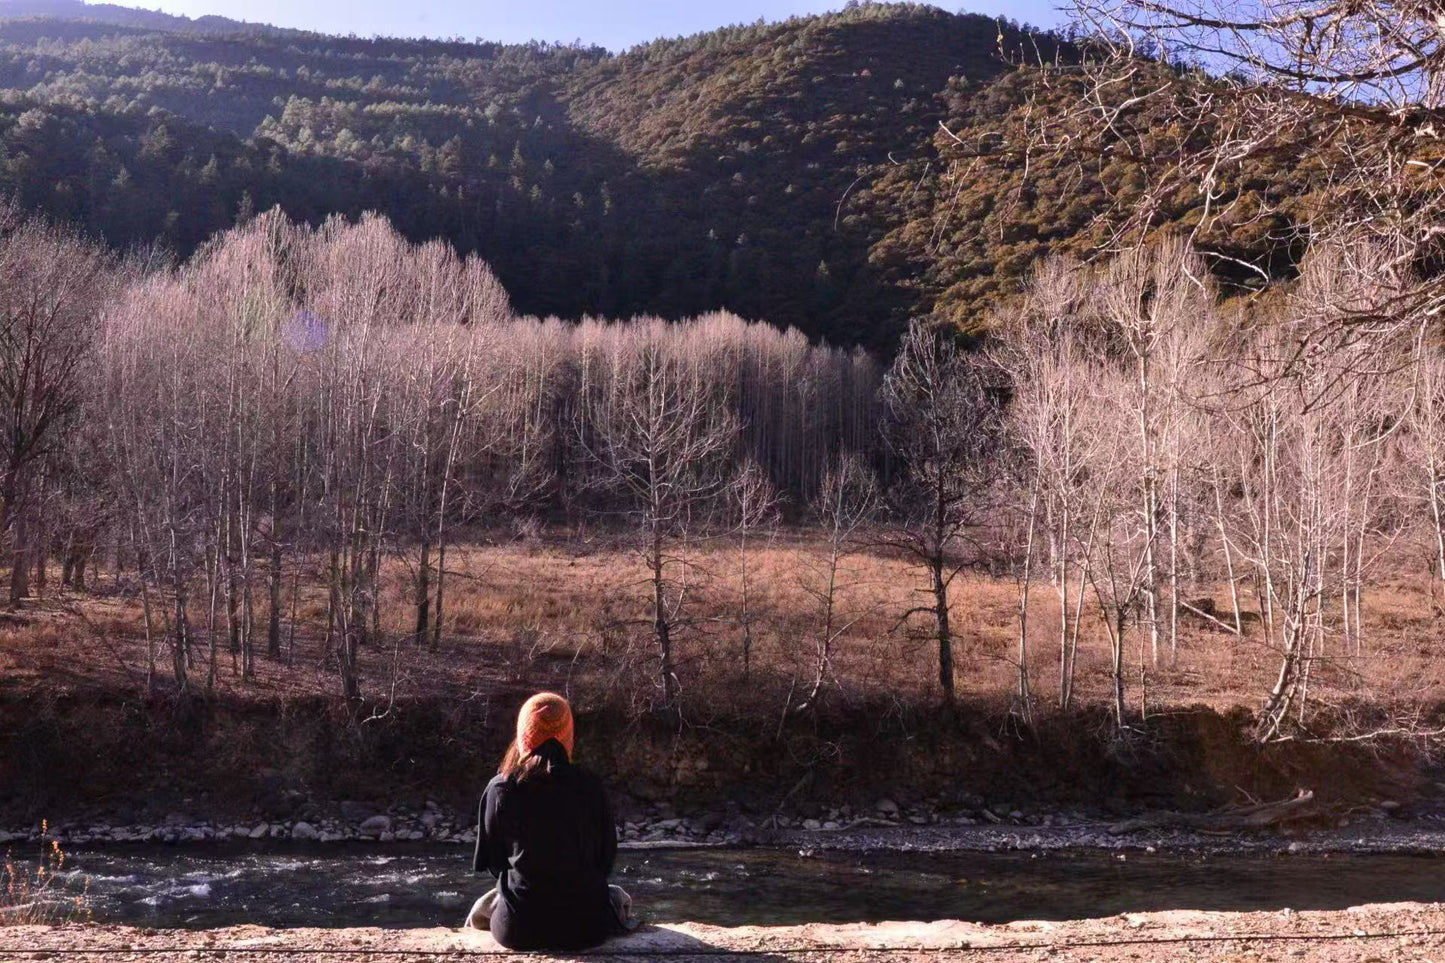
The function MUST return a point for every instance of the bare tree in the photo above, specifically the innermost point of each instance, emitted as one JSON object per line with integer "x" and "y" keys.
{"x": 846, "y": 503}
{"x": 1044, "y": 353}
{"x": 755, "y": 515}
{"x": 1425, "y": 454}
{"x": 55, "y": 284}
{"x": 1155, "y": 301}
{"x": 943, "y": 426}
{"x": 660, "y": 446}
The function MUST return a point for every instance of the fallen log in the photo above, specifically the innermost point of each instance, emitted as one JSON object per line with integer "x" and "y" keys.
{"x": 1226, "y": 820}
{"x": 1211, "y": 617}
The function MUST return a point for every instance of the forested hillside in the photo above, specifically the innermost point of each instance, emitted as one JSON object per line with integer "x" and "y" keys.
{"x": 792, "y": 172}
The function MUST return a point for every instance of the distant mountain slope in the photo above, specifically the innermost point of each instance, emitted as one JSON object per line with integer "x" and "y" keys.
{"x": 115, "y": 15}
{"x": 786, "y": 171}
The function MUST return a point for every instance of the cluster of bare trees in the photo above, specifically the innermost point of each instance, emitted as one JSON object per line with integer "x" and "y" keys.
{"x": 297, "y": 399}
{"x": 1171, "y": 449}
{"x": 303, "y": 405}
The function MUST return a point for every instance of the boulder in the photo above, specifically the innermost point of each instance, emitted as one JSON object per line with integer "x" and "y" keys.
{"x": 375, "y": 826}
{"x": 305, "y": 831}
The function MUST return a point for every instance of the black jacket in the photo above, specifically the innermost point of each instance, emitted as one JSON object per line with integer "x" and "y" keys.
{"x": 550, "y": 842}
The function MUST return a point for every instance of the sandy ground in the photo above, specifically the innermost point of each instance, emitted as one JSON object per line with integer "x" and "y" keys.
{"x": 1399, "y": 931}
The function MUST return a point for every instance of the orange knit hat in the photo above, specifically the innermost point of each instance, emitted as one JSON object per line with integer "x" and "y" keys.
{"x": 544, "y": 716}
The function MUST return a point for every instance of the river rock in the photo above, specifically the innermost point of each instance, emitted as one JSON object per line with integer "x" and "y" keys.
{"x": 430, "y": 819}
{"x": 886, "y": 806}
{"x": 375, "y": 826}
{"x": 305, "y": 830}
{"x": 259, "y": 830}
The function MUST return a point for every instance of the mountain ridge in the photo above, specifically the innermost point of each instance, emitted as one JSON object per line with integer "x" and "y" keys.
{"x": 139, "y": 18}
{"x": 785, "y": 171}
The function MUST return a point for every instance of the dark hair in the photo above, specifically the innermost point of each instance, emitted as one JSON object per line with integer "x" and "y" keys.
{"x": 519, "y": 768}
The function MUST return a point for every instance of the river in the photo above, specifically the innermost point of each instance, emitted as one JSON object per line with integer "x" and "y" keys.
{"x": 423, "y": 885}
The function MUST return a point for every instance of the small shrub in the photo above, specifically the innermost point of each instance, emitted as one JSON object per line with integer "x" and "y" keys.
{"x": 37, "y": 895}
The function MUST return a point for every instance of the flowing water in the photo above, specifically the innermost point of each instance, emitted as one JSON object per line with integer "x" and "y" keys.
{"x": 428, "y": 885}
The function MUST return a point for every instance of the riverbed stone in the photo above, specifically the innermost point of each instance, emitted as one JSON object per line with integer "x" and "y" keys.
{"x": 375, "y": 826}
{"x": 304, "y": 831}
{"x": 259, "y": 830}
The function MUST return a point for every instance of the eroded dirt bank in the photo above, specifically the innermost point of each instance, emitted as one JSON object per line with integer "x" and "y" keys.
{"x": 91, "y": 758}
{"x": 1400, "y": 931}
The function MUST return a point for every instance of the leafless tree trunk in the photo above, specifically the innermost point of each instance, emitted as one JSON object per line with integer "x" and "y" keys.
{"x": 944, "y": 427}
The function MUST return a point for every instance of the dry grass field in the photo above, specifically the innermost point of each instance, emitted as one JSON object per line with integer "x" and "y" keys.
{"x": 570, "y": 612}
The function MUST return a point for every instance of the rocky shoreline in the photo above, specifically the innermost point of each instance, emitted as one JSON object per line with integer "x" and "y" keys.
{"x": 884, "y": 826}
{"x": 639, "y": 823}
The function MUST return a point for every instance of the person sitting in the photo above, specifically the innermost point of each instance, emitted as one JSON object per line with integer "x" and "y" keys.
{"x": 545, "y": 832}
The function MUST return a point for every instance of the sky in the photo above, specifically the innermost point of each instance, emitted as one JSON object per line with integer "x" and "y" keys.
{"x": 615, "y": 24}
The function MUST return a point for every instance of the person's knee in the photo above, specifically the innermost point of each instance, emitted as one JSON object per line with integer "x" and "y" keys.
{"x": 621, "y": 899}
{"x": 480, "y": 918}
{"x": 622, "y": 908}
